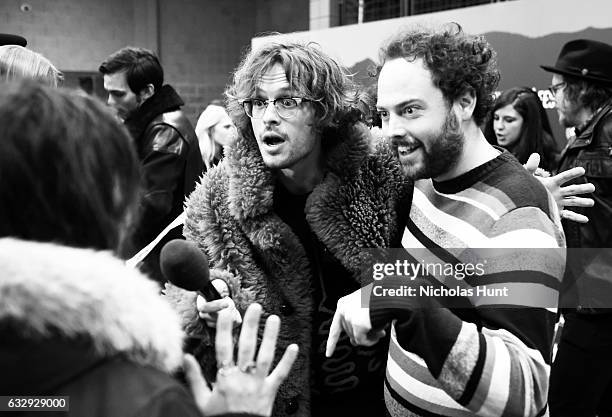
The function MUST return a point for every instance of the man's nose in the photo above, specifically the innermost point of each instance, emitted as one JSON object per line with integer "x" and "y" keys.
{"x": 270, "y": 115}
{"x": 396, "y": 127}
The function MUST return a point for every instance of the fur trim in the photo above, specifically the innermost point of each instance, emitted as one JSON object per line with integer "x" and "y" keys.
{"x": 230, "y": 216}
{"x": 367, "y": 210}
{"x": 49, "y": 289}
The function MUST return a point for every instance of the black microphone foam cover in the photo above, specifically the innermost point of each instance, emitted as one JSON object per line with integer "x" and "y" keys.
{"x": 185, "y": 265}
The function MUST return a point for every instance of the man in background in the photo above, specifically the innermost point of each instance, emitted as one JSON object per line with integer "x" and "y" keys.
{"x": 165, "y": 141}
{"x": 581, "y": 377}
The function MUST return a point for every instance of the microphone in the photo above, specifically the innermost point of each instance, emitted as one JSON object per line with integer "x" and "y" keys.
{"x": 185, "y": 265}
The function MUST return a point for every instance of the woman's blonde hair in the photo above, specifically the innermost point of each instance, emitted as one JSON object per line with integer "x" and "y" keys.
{"x": 206, "y": 123}
{"x": 17, "y": 62}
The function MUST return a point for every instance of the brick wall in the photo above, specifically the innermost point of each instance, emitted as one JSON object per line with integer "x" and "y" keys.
{"x": 200, "y": 42}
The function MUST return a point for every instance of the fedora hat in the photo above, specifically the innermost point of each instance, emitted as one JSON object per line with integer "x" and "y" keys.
{"x": 8, "y": 39}
{"x": 585, "y": 59}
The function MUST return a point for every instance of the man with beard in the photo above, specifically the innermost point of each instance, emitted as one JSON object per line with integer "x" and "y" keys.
{"x": 166, "y": 143}
{"x": 434, "y": 90}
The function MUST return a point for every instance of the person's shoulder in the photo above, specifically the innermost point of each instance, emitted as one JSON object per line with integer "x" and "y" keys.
{"x": 176, "y": 119}
{"x": 144, "y": 391}
{"x": 212, "y": 189}
{"x": 517, "y": 186}
{"x": 166, "y": 137}
{"x": 605, "y": 124}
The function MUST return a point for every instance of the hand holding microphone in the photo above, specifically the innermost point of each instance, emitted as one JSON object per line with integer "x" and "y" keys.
{"x": 209, "y": 310}
{"x": 185, "y": 265}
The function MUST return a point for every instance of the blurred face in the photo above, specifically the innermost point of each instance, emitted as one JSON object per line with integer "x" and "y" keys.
{"x": 284, "y": 142}
{"x": 425, "y": 133}
{"x": 120, "y": 97}
{"x": 566, "y": 110}
{"x": 224, "y": 132}
{"x": 507, "y": 124}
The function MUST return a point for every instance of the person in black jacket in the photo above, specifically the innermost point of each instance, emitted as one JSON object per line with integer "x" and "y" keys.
{"x": 74, "y": 319}
{"x": 166, "y": 143}
{"x": 582, "y": 372}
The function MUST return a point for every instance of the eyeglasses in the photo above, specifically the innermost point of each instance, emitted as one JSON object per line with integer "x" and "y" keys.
{"x": 286, "y": 107}
{"x": 556, "y": 87}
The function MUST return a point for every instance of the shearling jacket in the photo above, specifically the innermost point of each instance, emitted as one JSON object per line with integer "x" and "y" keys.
{"x": 79, "y": 323}
{"x": 358, "y": 205}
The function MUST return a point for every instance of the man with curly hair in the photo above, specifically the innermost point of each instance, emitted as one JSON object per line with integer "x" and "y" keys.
{"x": 464, "y": 355}
{"x": 286, "y": 217}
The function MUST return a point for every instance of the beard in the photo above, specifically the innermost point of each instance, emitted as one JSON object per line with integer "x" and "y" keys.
{"x": 441, "y": 154}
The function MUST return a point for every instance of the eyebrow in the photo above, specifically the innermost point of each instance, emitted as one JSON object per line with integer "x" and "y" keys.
{"x": 399, "y": 105}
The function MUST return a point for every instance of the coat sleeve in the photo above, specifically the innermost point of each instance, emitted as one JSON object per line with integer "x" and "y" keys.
{"x": 162, "y": 169}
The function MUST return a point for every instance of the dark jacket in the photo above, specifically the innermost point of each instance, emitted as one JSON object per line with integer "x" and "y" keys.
{"x": 358, "y": 205}
{"x": 171, "y": 165}
{"x": 78, "y": 323}
{"x": 591, "y": 266}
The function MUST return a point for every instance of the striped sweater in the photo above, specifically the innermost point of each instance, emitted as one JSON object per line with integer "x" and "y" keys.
{"x": 485, "y": 360}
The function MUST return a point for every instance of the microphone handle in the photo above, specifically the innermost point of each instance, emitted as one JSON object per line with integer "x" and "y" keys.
{"x": 209, "y": 292}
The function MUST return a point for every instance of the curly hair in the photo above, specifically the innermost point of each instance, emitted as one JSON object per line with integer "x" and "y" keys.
{"x": 457, "y": 61}
{"x": 311, "y": 73}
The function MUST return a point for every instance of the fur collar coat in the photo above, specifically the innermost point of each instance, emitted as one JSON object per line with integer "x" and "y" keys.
{"x": 78, "y": 322}
{"x": 361, "y": 203}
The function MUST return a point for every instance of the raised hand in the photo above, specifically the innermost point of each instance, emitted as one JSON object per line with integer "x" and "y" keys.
{"x": 243, "y": 385}
{"x": 565, "y": 196}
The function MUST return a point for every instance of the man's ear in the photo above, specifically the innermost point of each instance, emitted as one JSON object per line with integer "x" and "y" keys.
{"x": 146, "y": 93}
{"x": 465, "y": 105}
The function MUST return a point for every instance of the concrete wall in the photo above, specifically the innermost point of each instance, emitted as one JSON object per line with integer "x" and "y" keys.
{"x": 74, "y": 34}
{"x": 282, "y": 15}
{"x": 199, "y": 42}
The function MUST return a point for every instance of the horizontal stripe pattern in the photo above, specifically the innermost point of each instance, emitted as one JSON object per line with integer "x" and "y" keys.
{"x": 502, "y": 370}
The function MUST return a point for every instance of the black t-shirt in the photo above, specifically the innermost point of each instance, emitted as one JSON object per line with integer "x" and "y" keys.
{"x": 351, "y": 381}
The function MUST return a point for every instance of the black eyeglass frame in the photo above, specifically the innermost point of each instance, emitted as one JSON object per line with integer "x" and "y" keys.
{"x": 556, "y": 87}
{"x": 247, "y": 105}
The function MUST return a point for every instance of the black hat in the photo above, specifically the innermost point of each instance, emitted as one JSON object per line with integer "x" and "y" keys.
{"x": 8, "y": 39}
{"x": 585, "y": 59}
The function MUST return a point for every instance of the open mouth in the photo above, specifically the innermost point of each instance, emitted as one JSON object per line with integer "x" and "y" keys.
{"x": 272, "y": 140}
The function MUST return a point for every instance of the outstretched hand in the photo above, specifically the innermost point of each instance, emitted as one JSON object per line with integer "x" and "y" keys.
{"x": 565, "y": 196}
{"x": 244, "y": 385}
